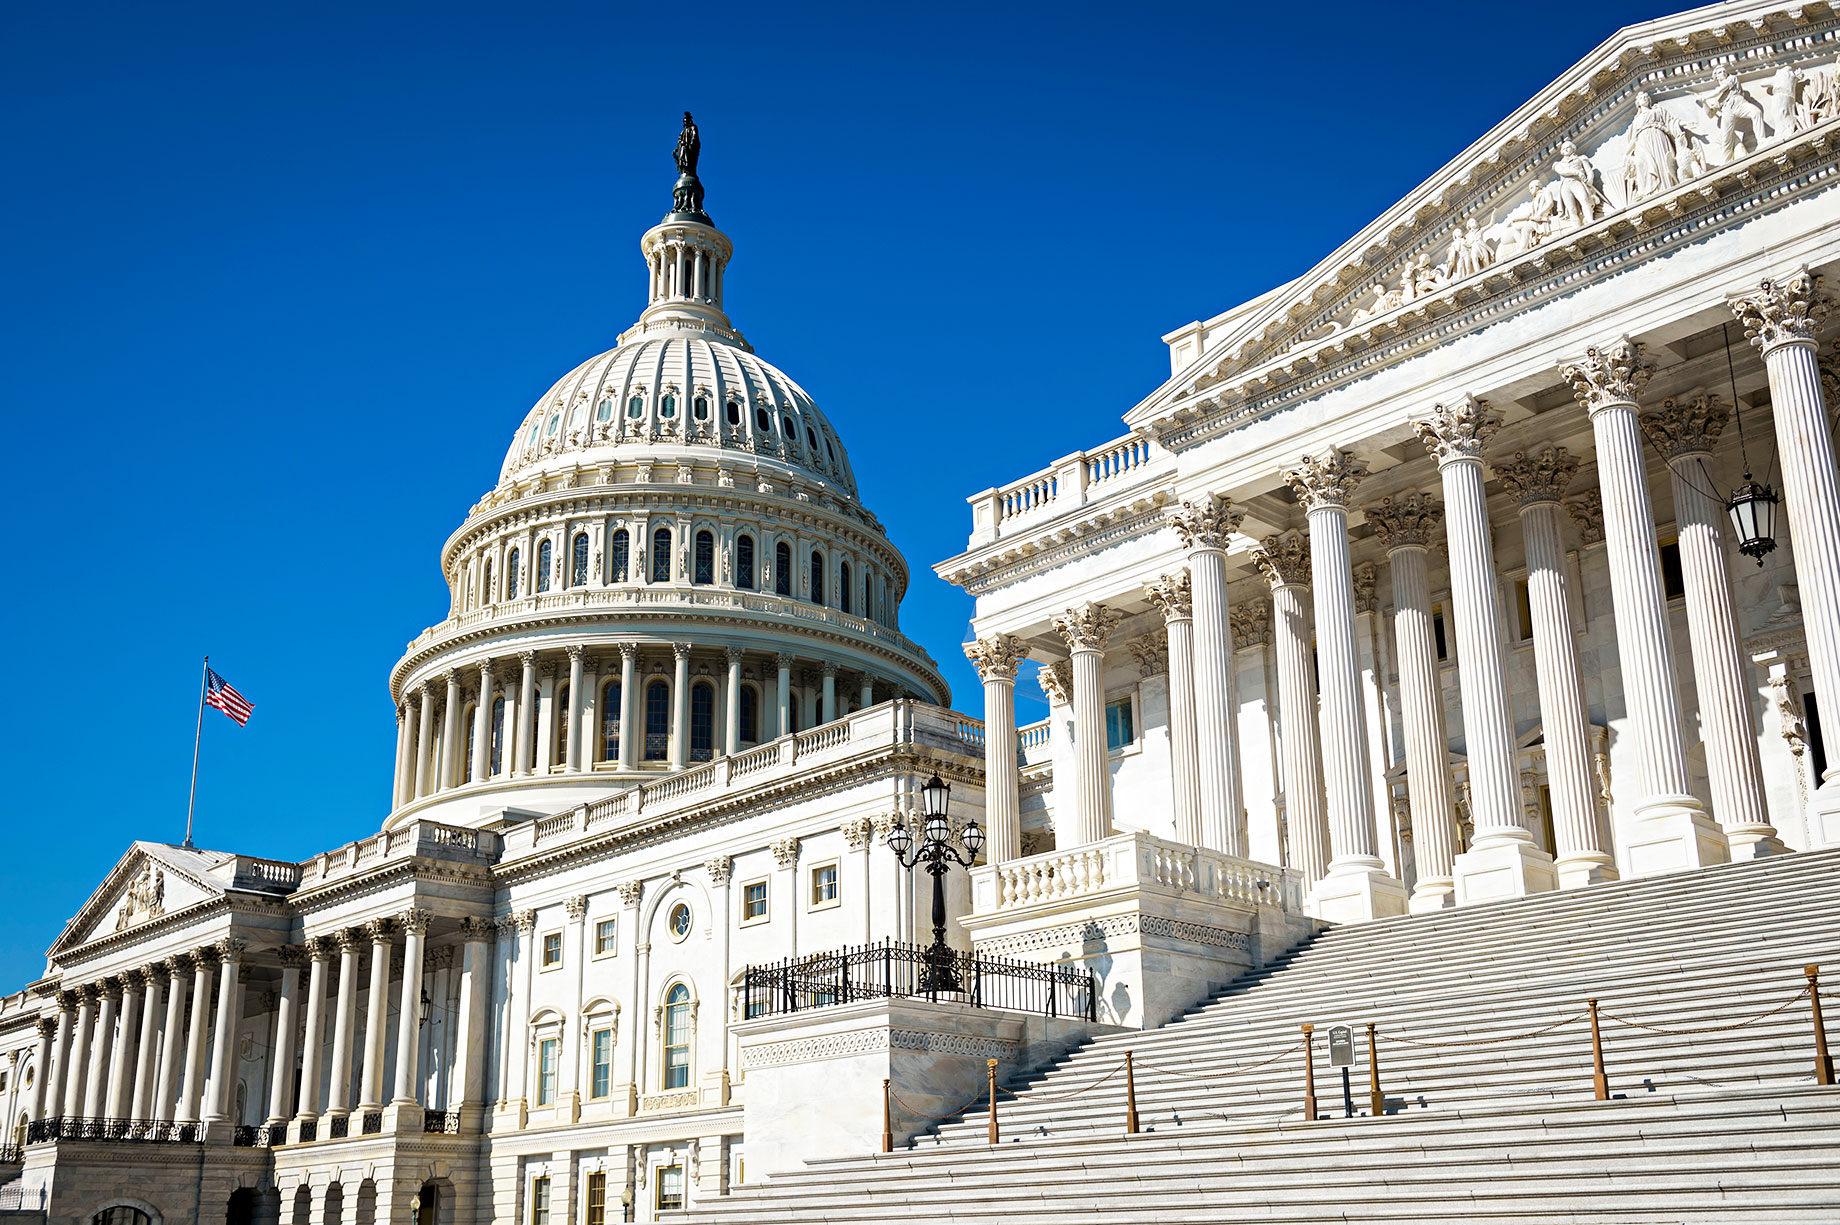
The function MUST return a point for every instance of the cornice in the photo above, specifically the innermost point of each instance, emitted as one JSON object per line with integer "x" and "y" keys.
{"x": 311, "y": 899}
{"x": 1056, "y": 541}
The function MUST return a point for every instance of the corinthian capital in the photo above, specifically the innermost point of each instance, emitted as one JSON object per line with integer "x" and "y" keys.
{"x": 1542, "y": 476}
{"x": 1171, "y": 594}
{"x": 1783, "y": 311}
{"x": 1587, "y": 511}
{"x": 1326, "y": 480}
{"x": 1056, "y": 681}
{"x": 1614, "y": 374}
{"x": 996, "y": 657}
{"x": 1205, "y": 524}
{"x": 1088, "y": 627}
{"x": 1688, "y": 426}
{"x": 1251, "y": 621}
{"x": 1411, "y": 519}
{"x": 1284, "y": 559}
{"x": 1458, "y": 431}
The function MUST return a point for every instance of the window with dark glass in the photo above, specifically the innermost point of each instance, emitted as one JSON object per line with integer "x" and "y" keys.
{"x": 1119, "y": 729}
{"x": 734, "y": 413}
{"x": 702, "y": 721}
{"x": 558, "y": 752}
{"x": 750, "y": 715}
{"x": 597, "y": 1189}
{"x": 486, "y": 586}
{"x": 703, "y": 571}
{"x": 547, "y": 1059}
{"x": 788, "y": 428}
{"x": 604, "y": 411}
{"x": 498, "y": 735}
{"x": 667, "y": 407}
{"x": 600, "y": 1078}
{"x": 676, "y": 1046}
{"x": 817, "y": 577}
{"x": 843, "y": 585}
{"x": 811, "y": 438}
{"x": 744, "y": 562}
{"x": 782, "y": 569}
{"x": 621, "y": 553}
{"x": 635, "y": 407}
{"x": 511, "y": 576}
{"x": 545, "y": 558}
{"x": 578, "y": 565}
{"x": 1673, "y": 578}
{"x": 763, "y": 420}
{"x": 661, "y": 555}
{"x": 657, "y": 721}
{"x": 539, "y": 1196}
{"x": 610, "y": 721}
{"x": 466, "y": 762}
{"x": 700, "y": 408}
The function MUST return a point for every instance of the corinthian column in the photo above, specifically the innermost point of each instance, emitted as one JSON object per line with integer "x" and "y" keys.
{"x": 1684, "y": 432}
{"x": 572, "y": 755}
{"x": 1781, "y": 319}
{"x": 1358, "y": 885}
{"x": 1086, "y": 630}
{"x": 1672, "y": 830}
{"x": 1172, "y": 595}
{"x": 414, "y": 923}
{"x": 405, "y": 747}
{"x": 526, "y": 715}
{"x": 223, "y": 1060}
{"x": 318, "y": 952}
{"x": 1285, "y": 562}
{"x": 424, "y": 740}
{"x": 1502, "y": 860}
{"x": 1539, "y": 481}
{"x": 480, "y": 768}
{"x": 1405, "y": 527}
{"x": 376, "y": 1017}
{"x": 995, "y": 659}
{"x": 453, "y": 770}
{"x": 1206, "y": 527}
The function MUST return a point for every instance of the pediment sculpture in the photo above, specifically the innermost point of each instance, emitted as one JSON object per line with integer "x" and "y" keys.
{"x": 144, "y": 900}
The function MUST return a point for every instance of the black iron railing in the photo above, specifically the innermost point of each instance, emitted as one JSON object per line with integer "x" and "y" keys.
{"x": 259, "y": 1135}
{"x": 373, "y": 1122}
{"x": 11, "y": 1154}
{"x": 339, "y": 1128}
{"x": 148, "y": 1131}
{"x": 309, "y": 1130}
{"x": 891, "y": 969}
{"x": 441, "y": 1122}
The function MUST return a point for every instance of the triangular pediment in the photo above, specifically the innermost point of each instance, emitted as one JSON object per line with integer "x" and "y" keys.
{"x": 153, "y": 881}
{"x": 1662, "y": 121}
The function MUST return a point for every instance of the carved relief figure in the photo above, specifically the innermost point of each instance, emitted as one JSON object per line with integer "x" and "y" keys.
{"x": 1469, "y": 252}
{"x": 1783, "y": 109}
{"x": 1821, "y": 96}
{"x": 145, "y": 899}
{"x": 1574, "y": 194}
{"x": 1736, "y": 115}
{"x": 1651, "y": 162}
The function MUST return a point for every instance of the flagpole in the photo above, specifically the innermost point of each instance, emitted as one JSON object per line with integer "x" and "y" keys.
{"x": 197, "y": 737}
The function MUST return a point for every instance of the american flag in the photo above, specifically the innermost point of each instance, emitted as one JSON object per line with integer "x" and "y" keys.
{"x": 222, "y": 694}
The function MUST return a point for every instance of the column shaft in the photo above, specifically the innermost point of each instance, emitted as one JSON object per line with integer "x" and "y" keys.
{"x": 121, "y": 1058}
{"x": 573, "y": 754}
{"x": 281, "y": 1050}
{"x": 409, "y": 1010}
{"x": 1338, "y": 671}
{"x": 527, "y": 715}
{"x": 314, "y": 1036}
{"x": 223, "y": 1040}
{"x": 731, "y": 722}
{"x": 165, "y": 1107}
{"x": 102, "y": 1043}
{"x": 1427, "y": 740}
{"x": 1184, "y": 752}
{"x": 470, "y": 1042}
{"x": 453, "y": 768}
{"x": 1086, "y": 630}
{"x": 376, "y": 1020}
{"x": 784, "y": 696}
{"x": 344, "y": 1022}
{"x": 191, "y": 1092}
{"x": 1218, "y": 801}
{"x": 480, "y": 768}
{"x": 1302, "y": 765}
{"x": 680, "y": 706}
{"x": 147, "y": 1056}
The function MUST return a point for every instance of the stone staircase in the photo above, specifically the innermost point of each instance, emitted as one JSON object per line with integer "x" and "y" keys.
{"x": 1495, "y": 1123}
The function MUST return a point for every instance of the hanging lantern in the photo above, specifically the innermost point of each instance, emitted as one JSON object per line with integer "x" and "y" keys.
{"x": 1752, "y": 508}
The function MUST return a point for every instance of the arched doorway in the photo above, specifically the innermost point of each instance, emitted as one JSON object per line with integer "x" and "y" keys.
{"x": 121, "y": 1214}
{"x": 241, "y": 1210}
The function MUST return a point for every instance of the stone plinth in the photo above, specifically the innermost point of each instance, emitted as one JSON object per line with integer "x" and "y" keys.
{"x": 814, "y": 1078}
{"x": 1159, "y": 924}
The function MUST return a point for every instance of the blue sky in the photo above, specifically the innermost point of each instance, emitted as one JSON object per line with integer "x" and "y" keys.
{"x": 282, "y": 279}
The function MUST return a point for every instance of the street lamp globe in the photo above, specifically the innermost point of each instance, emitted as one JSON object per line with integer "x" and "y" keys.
{"x": 899, "y": 840}
{"x": 1752, "y": 508}
{"x": 973, "y": 836}
{"x": 934, "y": 796}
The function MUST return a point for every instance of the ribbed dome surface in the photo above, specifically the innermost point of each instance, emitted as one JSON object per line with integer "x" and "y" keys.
{"x": 674, "y": 391}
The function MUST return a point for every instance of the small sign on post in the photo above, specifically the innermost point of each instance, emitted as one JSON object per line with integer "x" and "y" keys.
{"x": 1341, "y": 1055}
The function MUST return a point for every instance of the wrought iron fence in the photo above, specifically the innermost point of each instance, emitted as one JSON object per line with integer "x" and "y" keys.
{"x": 897, "y": 970}
{"x": 309, "y": 1130}
{"x": 339, "y": 1128}
{"x": 11, "y": 1154}
{"x": 41, "y": 1131}
{"x": 260, "y": 1135}
{"x": 441, "y": 1122}
{"x": 373, "y": 1122}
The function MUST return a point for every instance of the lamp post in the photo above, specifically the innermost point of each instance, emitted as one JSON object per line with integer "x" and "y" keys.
{"x": 939, "y": 970}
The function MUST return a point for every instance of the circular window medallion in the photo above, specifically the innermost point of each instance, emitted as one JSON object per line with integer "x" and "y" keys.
{"x": 680, "y": 920}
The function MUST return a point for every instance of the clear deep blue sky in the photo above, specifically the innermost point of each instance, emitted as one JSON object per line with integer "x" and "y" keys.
{"x": 280, "y": 281}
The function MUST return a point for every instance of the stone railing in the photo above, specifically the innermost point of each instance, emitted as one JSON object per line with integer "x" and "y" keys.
{"x": 417, "y": 839}
{"x": 1132, "y": 861}
{"x": 886, "y": 726}
{"x": 1069, "y": 483}
{"x": 261, "y": 875}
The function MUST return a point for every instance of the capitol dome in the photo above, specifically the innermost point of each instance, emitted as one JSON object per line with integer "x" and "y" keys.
{"x": 672, "y": 568}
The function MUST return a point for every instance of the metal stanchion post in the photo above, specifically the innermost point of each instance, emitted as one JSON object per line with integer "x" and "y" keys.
{"x": 1600, "y": 1084}
{"x": 1376, "y": 1104}
{"x": 990, "y": 1081}
{"x": 887, "y": 1119}
{"x": 1130, "y": 1097}
{"x": 1823, "y": 1062}
{"x": 1309, "y": 1073}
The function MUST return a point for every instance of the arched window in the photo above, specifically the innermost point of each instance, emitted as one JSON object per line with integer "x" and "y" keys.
{"x": 545, "y": 557}
{"x": 485, "y": 584}
{"x": 700, "y": 408}
{"x": 667, "y": 407}
{"x": 744, "y": 562}
{"x": 472, "y": 727}
{"x": 604, "y": 410}
{"x": 733, "y": 412}
{"x": 555, "y": 422}
{"x": 843, "y": 585}
{"x": 868, "y": 596}
{"x": 559, "y": 751}
{"x": 702, "y": 721}
{"x": 704, "y": 571}
{"x": 578, "y": 564}
{"x": 498, "y": 735}
{"x": 763, "y": 420}
{"x": 622, "y": 552}
{"x": 817, "y": 577}
{"x": 661, "y": 555}
{"x": 610, "y": 721}
{"x": 791, "y": 431}
{"x": 126, "y": 1214}
{"x": 676, "y": 1038}
{"x": 635, "y": 407}
{"x": 811, "y": 438}
{"x": 657, "y": 721}
{"x": 782, "y": 569}
{"x": 750, "y": 715}
{"x": 511, "y": 576}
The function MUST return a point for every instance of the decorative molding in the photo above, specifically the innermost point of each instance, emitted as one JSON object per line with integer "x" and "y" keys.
{"x": 868, "y": 1041}
{"x": 576, "y": 907}
{"x": 1587, "y": 511}
{"x": 1151, "y": 651}
{"x": 630, "y": 891}
{"x": 1082, "y": 933}
{"x": 719, "y": 868}
{"x": 1366, "y": 578}
{"x": 1251, "y": 621}
{"x": 786, "y": 852}
{"x": 1056, "y": 681}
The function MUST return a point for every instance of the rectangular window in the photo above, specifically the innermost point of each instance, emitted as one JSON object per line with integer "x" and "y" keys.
{"x": 539, "y": 1201}
{"x": 1673, "y": 580}
{"x": 1119, "y": 731}
{"x": 754, "y": 901}
{"x": 597, "y": 1200}
{"x": 547, "y": 1051}
{"x": 824, "y": 885}
{"x": 1437, "y": 632}
{"x": 1523, "y": 606}
{"x": 552, "y": 950}
{"x": 600, "y": 1055}
{"x": 604, "y": 932}
{"x": 670, "y": 1187}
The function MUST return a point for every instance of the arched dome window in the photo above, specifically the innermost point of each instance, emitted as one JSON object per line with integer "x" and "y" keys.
{"x": 831, "y": 448}
{"x": 782, "y": 569}
{"x": 702, "y": 721}
{"x": 604, "y": 411}
{"x": 577, "y": 416}
{"x": 635, "y": 407}
{"x": 545, "y": 559}
{"x": 657, "y": 721}
{"x": 661, "y": 555}
{"x": 472, "y": 726}
{"x": 843, "y": 585}
{"x": 750, "y": 715}
{"x": 676, "y": 1037}
{"x": 578, "y": 564}
{"x": 610, "y": 721}
{"x": 699, "y": 408}
{"x": 817, "y": 577}
{"x": 868, "y": 607}
{"x": 811, "y": 438}
{"x": 559, "y": 751}
{"x": 511, "y": 576}
{"x": 667, "y": 407}
{"x": 622, "y": 554}
{"x": 498, "y": 735}
{"x": 555, "y": 422}
{"x": 733, "y": 412}
{"x": 485, "y": 584}
{"x": 704, "y": 572}
{"x": 791, "y": 431}
{"x": 744, "y": 562}
{"x": 763, "y": 421}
